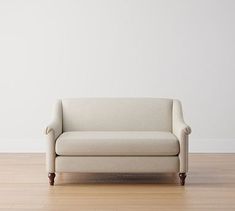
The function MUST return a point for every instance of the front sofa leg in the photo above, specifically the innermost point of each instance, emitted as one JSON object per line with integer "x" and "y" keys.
{"x": 182, "y": 178}
{"x": 51, "y": 177}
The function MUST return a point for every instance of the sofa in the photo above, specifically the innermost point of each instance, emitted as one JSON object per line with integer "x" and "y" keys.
{"x": 117, "y": 135}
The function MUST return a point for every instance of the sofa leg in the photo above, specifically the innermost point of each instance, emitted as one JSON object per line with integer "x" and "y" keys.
{"x": 51, "y": 177}
{"x": 182, "y": 178}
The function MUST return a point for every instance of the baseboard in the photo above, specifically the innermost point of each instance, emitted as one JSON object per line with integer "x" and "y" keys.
{"x": 22, "y": 145}
{"x": 212, "y": 145}
{"x": 195, "y": 145}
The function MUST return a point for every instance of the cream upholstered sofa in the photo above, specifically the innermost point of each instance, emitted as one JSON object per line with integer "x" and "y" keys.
{"x": 122, "y": 135}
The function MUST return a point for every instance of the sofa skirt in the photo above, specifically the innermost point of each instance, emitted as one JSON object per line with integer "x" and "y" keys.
{"x": 161, "y": 164}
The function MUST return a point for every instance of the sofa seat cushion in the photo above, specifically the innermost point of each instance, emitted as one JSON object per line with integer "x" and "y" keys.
{"x": 117, "y": 143}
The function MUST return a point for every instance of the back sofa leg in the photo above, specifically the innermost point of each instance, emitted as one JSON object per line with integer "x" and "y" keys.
{"x": 51, "y": 177}
{"x": 182, "y": 178}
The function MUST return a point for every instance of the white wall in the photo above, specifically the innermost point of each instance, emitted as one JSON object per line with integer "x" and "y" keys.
{"x": 178, "y": 49}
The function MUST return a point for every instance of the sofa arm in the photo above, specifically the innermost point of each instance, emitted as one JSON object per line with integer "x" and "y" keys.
{"x": 180, "y": 128}
{"x": 181, "y": 131}
{"x": 52, "y": 131}
{"x": 55, "y": 125}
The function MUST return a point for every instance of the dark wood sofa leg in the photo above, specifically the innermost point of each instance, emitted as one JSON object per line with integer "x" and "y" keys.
{"x": 51, "y": 177}
{"x": 182, "y": 178}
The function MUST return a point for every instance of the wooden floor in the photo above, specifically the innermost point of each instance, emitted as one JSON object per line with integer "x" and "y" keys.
{"x": 210, "y": 185}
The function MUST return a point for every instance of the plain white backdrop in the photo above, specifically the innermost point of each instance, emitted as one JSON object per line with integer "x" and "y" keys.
{"x": 181, "y": 49}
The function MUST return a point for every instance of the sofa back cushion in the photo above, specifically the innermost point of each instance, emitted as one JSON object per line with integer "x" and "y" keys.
{"x": 117, "y": 114}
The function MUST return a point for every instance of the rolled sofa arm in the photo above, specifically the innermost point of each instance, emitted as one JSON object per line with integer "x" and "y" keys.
{"x": 55, "y": 125}
{"x": 181, "y": 131}
{"x": 52, "y": 131}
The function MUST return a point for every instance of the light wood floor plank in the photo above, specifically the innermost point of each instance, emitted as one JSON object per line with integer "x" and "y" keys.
{"x": 210, "y": 185}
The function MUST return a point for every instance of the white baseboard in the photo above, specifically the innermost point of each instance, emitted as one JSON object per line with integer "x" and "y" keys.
{"x": 195, "y": 145}
{"x": 22, "y": 145}
{"x": 212, "y": 145}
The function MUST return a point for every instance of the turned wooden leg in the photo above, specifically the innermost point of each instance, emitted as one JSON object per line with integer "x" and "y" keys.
{"x": 51, "y": 177}
{"x": 182, "y": 178}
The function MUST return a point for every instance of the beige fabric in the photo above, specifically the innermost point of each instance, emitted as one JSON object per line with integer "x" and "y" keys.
{"x": 117, "y": 114}
{"x": 52, "y": 131}
{"x": 117, "y": 143}
{"x": 56, "y": 123}
{"x": 181, "y": 131}
{"x": 124, "y": 114}
{"x": 117, "y": 164}
{"x": 50, "y": 152}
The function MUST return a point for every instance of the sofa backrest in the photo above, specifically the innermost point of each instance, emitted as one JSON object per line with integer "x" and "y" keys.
{"x": 117, "y": 114}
